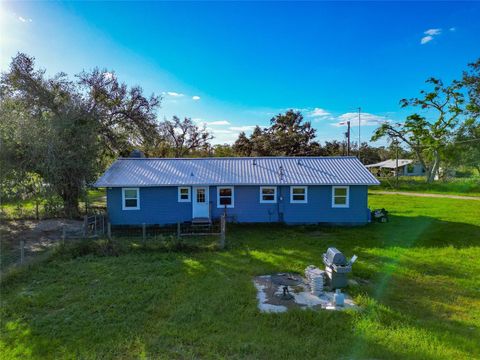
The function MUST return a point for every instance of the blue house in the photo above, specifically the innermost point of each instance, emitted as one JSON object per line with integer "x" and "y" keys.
{"x": 294, "y": 190}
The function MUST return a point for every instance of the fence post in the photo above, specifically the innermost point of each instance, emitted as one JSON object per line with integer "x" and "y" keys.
{"x": 144, "y": 234}
{"x": 64, "y": 233}
{"x": 95, "y": 225}
{"x": 222, "y": 231}
{"x": 179, "y": 232}
{"x": 103, "y": 224}
{"x": 85, "y": 226}
{"x": 109, "y": 231}
{"x": 22, "y": 251}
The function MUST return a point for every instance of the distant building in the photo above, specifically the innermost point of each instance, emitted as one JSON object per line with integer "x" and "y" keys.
{"x": 406, "y": 167}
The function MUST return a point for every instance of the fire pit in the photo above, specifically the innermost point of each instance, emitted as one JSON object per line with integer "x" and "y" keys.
{"x": 286, "y": 280}
{"x": 281, "y": 292}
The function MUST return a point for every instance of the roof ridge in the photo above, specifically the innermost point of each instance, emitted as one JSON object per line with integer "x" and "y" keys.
{"x": 242, "y": 157}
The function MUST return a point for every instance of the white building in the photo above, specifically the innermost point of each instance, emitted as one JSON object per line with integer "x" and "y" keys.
{"x": 406, "y": 167}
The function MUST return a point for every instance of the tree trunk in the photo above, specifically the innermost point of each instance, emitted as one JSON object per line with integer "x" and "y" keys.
{"x": 435, "y": 166}
{"x": 70, "y": 197}
{"x": 37, "y": 213}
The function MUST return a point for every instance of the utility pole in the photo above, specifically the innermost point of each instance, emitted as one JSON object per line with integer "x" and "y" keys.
{"x": 359, "y": 125}
{"x": 396, "y": 164}
{"x": 348, "y": 138}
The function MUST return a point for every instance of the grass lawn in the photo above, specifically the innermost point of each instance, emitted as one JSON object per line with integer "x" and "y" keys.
{"x": 420, "y": 298}
{"x": 455, "y": 186}
{"x": 25, "y": 209}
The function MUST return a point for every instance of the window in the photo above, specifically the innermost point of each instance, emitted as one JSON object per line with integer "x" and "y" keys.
{"x": 268, "y": 194}
{"x": 201, "y": 198}
{"x": 298, "y": 194}
{"x": 130, "y": 199}
{"x": 183, "y": 194}
{"x": 225, "y": 196}
{"x": 340, "y": 196}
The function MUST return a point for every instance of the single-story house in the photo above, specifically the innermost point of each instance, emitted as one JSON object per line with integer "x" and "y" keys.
{"x": 294, "y": 190}
{"x": 406, "y": 167}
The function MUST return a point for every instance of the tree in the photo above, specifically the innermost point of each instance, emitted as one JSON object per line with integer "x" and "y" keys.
{"x": 471, "y": 79}
{"x": 287, "y": 135}
{"x": 290, "y": 135}
{"x": 243, "y": 145}
{"x": 125, "y": 118}
{"x": 262, "y": 143}
{"x": 63, "y": 129}
{"x": 465, "y": 149}
{"x": 184, "y": 137}
{"x": 427, "y": 138}
{"x": 224, "y": 150}
{"x": 334, "y": 148}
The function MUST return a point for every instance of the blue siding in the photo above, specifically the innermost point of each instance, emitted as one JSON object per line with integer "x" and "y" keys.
{"x": 159, "y": 205}
{"x": 318, "y": 209}
{"x": 247, "y": 206}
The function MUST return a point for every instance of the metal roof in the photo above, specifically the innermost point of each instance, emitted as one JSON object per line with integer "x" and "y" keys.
{"x": 391, "y": 164}
{"x": 236, "y": 171}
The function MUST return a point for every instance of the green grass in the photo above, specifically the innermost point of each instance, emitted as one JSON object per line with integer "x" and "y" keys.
{"x": 420, "y": 295}
{"x": 455, "y": 186}
{"x": 25, "y": 209}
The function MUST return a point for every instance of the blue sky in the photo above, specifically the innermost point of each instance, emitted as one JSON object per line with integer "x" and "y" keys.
{"x": 235, "y": 65}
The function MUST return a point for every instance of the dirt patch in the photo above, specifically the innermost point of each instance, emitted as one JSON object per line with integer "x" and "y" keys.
{"x": 444, "y": 196}
{"x": 38, "y": 230}
{"x": 37, "y": 235}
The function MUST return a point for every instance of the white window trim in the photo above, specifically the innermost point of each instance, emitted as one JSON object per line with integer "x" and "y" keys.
{"x": 123, "y": 199}
{"x": 274, "y": 201}
{"x": 299, "y": 201}
{"x": 232, "y": 205}
{"x": 189, "y": 194}
{"x": 333, "y": 197}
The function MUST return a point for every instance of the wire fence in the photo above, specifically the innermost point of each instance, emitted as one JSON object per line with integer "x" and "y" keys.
{"x": 187, "y": 233}
{"x": 21, "y": 252}
{"x": 177, "y": 237}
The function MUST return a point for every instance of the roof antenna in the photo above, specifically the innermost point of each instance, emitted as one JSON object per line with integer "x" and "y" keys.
{"x": 254, "y": 161}
{"x": 281, "y": 172}
{"x": 299, "y": 162}
{"x": 191, "y": 174}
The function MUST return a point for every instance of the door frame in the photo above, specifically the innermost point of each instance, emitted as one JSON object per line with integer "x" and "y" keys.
{"x": 195, "y": 203}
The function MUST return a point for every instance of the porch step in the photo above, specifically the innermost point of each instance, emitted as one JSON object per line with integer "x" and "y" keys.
{"x": 201, "y": 221}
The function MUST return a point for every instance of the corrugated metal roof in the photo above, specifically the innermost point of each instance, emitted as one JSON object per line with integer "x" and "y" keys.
{"x": 391, "y": 164}
{"x": 237, "y": 171}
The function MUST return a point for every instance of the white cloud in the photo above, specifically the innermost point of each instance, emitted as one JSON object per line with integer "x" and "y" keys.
{"x": 318, "y": 112}
{"x": 452, "y": 29}
{"x": 430, "y": 34}
{"x": 217, "y": 123}
{"x": 174, "y": 94}
{"x": 367, "y": 119}
{"x": 196, "y": 97}
{"x": 426, "y": 39}
{"x": 242, "y": 128}
{"x": 211, "y": 123}
{"x": 433, "y": 32}
{"x": 220, "y": 131}
{"x": 23, "y": 19}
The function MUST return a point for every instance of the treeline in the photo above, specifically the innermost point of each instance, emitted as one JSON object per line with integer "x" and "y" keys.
{"x": 57, "y": 134}
{"x": 288, "y": 135}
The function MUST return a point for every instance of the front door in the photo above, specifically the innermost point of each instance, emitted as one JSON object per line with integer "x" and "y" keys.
{"x": 201, "y": 206}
